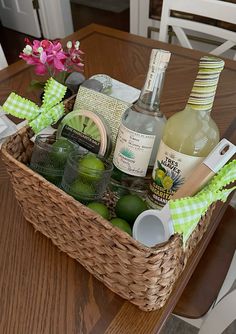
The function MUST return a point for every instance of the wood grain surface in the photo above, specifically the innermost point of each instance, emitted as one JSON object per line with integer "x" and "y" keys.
{"x": 43, "y": 291}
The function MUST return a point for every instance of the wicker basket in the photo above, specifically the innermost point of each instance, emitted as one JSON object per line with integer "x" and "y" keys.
{"x": 144, "y": 276}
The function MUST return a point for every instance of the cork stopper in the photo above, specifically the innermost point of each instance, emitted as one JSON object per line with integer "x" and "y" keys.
{"x": 159, "y": 58}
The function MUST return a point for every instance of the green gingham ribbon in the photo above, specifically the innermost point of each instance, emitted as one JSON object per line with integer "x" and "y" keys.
{"x": 186, "y": 212}
{"x": 38, "y": 117}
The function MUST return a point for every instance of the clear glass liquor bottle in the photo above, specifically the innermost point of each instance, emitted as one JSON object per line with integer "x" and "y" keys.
{"x": 142, "y": 125}
{"x": 188, "y": 137}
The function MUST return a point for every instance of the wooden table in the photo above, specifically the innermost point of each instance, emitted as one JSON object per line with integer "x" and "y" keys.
{"x": 41, "y": 289}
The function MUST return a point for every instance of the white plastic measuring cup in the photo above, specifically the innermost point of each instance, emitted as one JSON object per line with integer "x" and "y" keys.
{"x": 152, "y": 227}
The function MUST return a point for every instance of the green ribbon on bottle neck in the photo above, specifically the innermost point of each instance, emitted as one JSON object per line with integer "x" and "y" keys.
{"x": 204, "y": 87}
{"x": 38, "y": 117}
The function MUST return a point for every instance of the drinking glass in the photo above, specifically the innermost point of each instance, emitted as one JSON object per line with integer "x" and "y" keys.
{"x": 48, "y": 159}
{"x": 123, "y": 184}
{"x": 85, "y": 181}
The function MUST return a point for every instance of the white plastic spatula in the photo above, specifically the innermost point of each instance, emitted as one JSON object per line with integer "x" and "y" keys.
{"x": 155, "y": 226}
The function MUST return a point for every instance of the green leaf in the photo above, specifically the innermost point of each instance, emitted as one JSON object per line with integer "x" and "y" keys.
{"x": 35, "y": 84}
{"x": 158, "y": 182}
{"x": 160, "y": 166}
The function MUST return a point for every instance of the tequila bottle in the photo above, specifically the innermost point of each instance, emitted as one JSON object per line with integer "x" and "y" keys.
{"x": 142, "y": 125}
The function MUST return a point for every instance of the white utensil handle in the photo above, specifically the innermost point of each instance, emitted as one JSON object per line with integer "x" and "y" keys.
{"x": 220, "y": 155}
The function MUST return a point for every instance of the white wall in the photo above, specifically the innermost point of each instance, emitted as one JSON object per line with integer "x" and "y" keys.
{"x": 56, "y": 18}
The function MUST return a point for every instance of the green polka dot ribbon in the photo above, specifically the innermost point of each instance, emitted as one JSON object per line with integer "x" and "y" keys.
{"x": 186, "y": 212}
{"x": 38, "y": 117}
{"x": 204, "y": 87}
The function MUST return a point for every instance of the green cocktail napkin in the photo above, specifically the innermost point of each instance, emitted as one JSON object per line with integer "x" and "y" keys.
{"x": 38, "y": 117}
{"x": 186, "y": 212}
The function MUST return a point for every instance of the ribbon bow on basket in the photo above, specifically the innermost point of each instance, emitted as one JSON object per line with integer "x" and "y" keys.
{"x": 39, "y": 117}
{"x": 182, "y": 213}
{"x": 186, "y": 212}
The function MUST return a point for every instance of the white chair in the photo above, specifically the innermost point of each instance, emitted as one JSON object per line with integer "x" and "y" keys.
{"x": 3, "y": 61}
{"x": 139, "y": 18}
{"x": 223, "y": 310}
{"x": 215, "y": 9}
{"x": 222, "y": 315}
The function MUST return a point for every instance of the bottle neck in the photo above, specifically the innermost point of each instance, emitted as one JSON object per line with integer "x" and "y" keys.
{"x": 202, "y": 114}
{"x": 149, "y": 99}
{"x": 204, "y": 88}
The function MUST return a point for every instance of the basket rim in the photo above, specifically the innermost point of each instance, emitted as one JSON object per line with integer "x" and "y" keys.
{"x": 106, "y": 224}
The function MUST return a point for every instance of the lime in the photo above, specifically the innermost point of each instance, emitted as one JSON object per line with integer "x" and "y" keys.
{"x": 159, "y": 174}
{"x": 63, "y": 143}
{"x": 91, "y": 167}
{"x": 60, "y": 151}
{"x": 100, "y": 208}
{"x": 55, "y": 179}
{"x": 81, "y": 190}
{"x": 167, "y": 182}
{"x": 122, "y": 224}
{"x": 129, "y": 207}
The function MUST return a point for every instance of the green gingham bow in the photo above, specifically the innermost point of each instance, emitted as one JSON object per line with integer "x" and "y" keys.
{"x": 186, "y": 212}
{"x": 38, "y": 117}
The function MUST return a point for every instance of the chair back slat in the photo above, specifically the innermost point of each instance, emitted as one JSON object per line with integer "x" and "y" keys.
{"x": 182, "y": 37}
{"x": 222, "y": 48}
{"x": 213, "y": 9}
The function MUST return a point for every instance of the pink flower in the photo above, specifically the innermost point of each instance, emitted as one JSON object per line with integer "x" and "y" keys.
{"x": 56, "y": 56}
{"x": 41, "y": 69}
{"x": 49, "y": 57}
{"x": 74, "y": 56}
{"x": 45, "y": 43}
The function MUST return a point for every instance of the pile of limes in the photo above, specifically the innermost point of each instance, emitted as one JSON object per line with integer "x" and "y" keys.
{"x": 127, "y": 209}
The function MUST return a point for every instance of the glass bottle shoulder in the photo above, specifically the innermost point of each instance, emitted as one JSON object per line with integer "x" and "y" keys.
{"x": 147, "y": 123}
{"x": 191, "y": 132}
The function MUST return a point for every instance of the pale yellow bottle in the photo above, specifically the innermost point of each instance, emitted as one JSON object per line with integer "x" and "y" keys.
{"x": 188, "y": 137}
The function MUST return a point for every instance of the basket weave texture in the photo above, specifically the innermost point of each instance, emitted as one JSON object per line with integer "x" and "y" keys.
{"x": 144, "y": 276}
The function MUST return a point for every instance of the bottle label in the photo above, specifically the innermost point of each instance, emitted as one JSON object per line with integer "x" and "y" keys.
{"x": 169, "y": 173}
{"x": 152, "y": 71}
{"x": 133, "y": 151}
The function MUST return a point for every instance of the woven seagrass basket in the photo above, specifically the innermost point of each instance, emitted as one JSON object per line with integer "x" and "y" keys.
{"x": 144, "y": 276}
